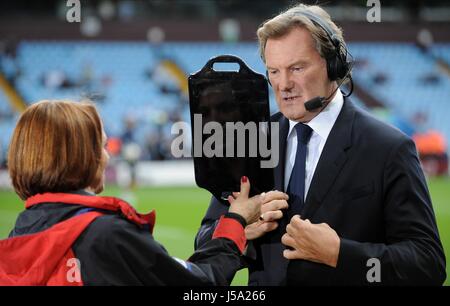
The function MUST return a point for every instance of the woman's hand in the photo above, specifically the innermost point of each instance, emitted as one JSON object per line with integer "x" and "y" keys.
{"x": 248, "y": 208}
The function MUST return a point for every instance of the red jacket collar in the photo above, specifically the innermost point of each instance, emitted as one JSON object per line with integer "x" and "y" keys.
{"x": 106, "y": 203}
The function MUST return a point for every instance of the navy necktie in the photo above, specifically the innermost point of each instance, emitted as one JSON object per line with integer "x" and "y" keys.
{"x": 296, "y": 186}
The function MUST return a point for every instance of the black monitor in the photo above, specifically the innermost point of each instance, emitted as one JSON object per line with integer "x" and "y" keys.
{"x": 230, "y": 120}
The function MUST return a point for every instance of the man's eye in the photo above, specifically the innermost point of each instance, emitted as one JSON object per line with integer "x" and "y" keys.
{"x": 297, "y": 68}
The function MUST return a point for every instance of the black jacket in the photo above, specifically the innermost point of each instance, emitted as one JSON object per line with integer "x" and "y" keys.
{"x": 369, "y": 187}
{"x": 115, "y": 251}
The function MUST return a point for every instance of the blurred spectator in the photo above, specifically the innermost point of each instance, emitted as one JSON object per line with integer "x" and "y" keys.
{"x": 114, "y": 146}
{"x": 380, "y": 78}
{"x": 2, "y": 158}
{"x": 432, "y": 149}
{"x": 424, "y": 40}
{"x": 130, "y": 126}
{"x": 420, "y": 119}
{"x": 163, "y": 79}
{"x": 56, "y": 79}
{"x": 361, "y": 63}
{"x": 87, "y": 76}
{"x": 59, "y": 79}
{"x": 8, "y": 62}
{"x": 131, "y": 150}
{"x": 430, "y": 79}
{"x": 155, "y": 146}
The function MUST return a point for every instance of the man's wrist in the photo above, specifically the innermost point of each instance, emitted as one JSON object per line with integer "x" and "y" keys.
{"x": 335, "y": 254}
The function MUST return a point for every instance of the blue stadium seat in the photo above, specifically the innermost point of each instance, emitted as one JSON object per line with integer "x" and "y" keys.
{"x": 132, "y": 93}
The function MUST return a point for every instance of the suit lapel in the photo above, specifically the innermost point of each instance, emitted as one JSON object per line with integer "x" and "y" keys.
{"x": 279, "y": 169}
{"x": 331, "y": 161}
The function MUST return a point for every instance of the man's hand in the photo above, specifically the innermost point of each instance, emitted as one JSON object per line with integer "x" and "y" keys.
{"x": 314, "y": 242}
{"x": 271, "y": 211}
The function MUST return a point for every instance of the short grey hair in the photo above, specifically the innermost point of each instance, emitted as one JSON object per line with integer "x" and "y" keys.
{"x": 283, "y": 23}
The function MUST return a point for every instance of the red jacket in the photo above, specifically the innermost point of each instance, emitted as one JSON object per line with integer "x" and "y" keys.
{"x": 47, "y": 257}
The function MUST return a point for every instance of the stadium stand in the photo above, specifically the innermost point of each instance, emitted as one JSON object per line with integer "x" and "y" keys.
{"x": 125, "y": 80}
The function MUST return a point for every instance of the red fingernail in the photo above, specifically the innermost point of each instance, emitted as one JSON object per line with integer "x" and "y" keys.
{"x": 244, "y": 179}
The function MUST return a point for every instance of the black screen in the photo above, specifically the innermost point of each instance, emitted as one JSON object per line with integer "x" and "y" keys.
{"x": 230, "y": 117}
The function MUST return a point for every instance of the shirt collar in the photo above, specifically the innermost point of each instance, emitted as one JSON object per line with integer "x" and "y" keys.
{"x": 323, "y": 122}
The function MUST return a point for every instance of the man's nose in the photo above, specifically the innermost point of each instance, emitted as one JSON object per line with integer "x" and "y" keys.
{"x": 286, "y": 82}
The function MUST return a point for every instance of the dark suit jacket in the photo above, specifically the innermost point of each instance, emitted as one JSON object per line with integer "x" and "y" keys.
{"x": 369, "y": 187}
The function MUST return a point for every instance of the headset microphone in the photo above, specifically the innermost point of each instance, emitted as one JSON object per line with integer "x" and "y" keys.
{"x": 314, "y": 103}
{"x": 319, "y": 102}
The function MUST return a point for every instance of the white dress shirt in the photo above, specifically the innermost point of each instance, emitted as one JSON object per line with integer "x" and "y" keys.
{"x": 321, "y": 126}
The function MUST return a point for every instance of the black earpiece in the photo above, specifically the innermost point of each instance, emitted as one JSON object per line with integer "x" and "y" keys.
{"x": 338, "y": 64}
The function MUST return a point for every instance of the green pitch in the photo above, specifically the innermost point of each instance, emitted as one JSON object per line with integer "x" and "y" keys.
{"x": 179, "y": 212}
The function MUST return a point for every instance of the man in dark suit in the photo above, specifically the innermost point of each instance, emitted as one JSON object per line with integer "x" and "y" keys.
{"x": 359, "y": 208}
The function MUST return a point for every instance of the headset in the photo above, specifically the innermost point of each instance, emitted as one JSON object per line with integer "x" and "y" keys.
{"x": 339, "y": 62}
